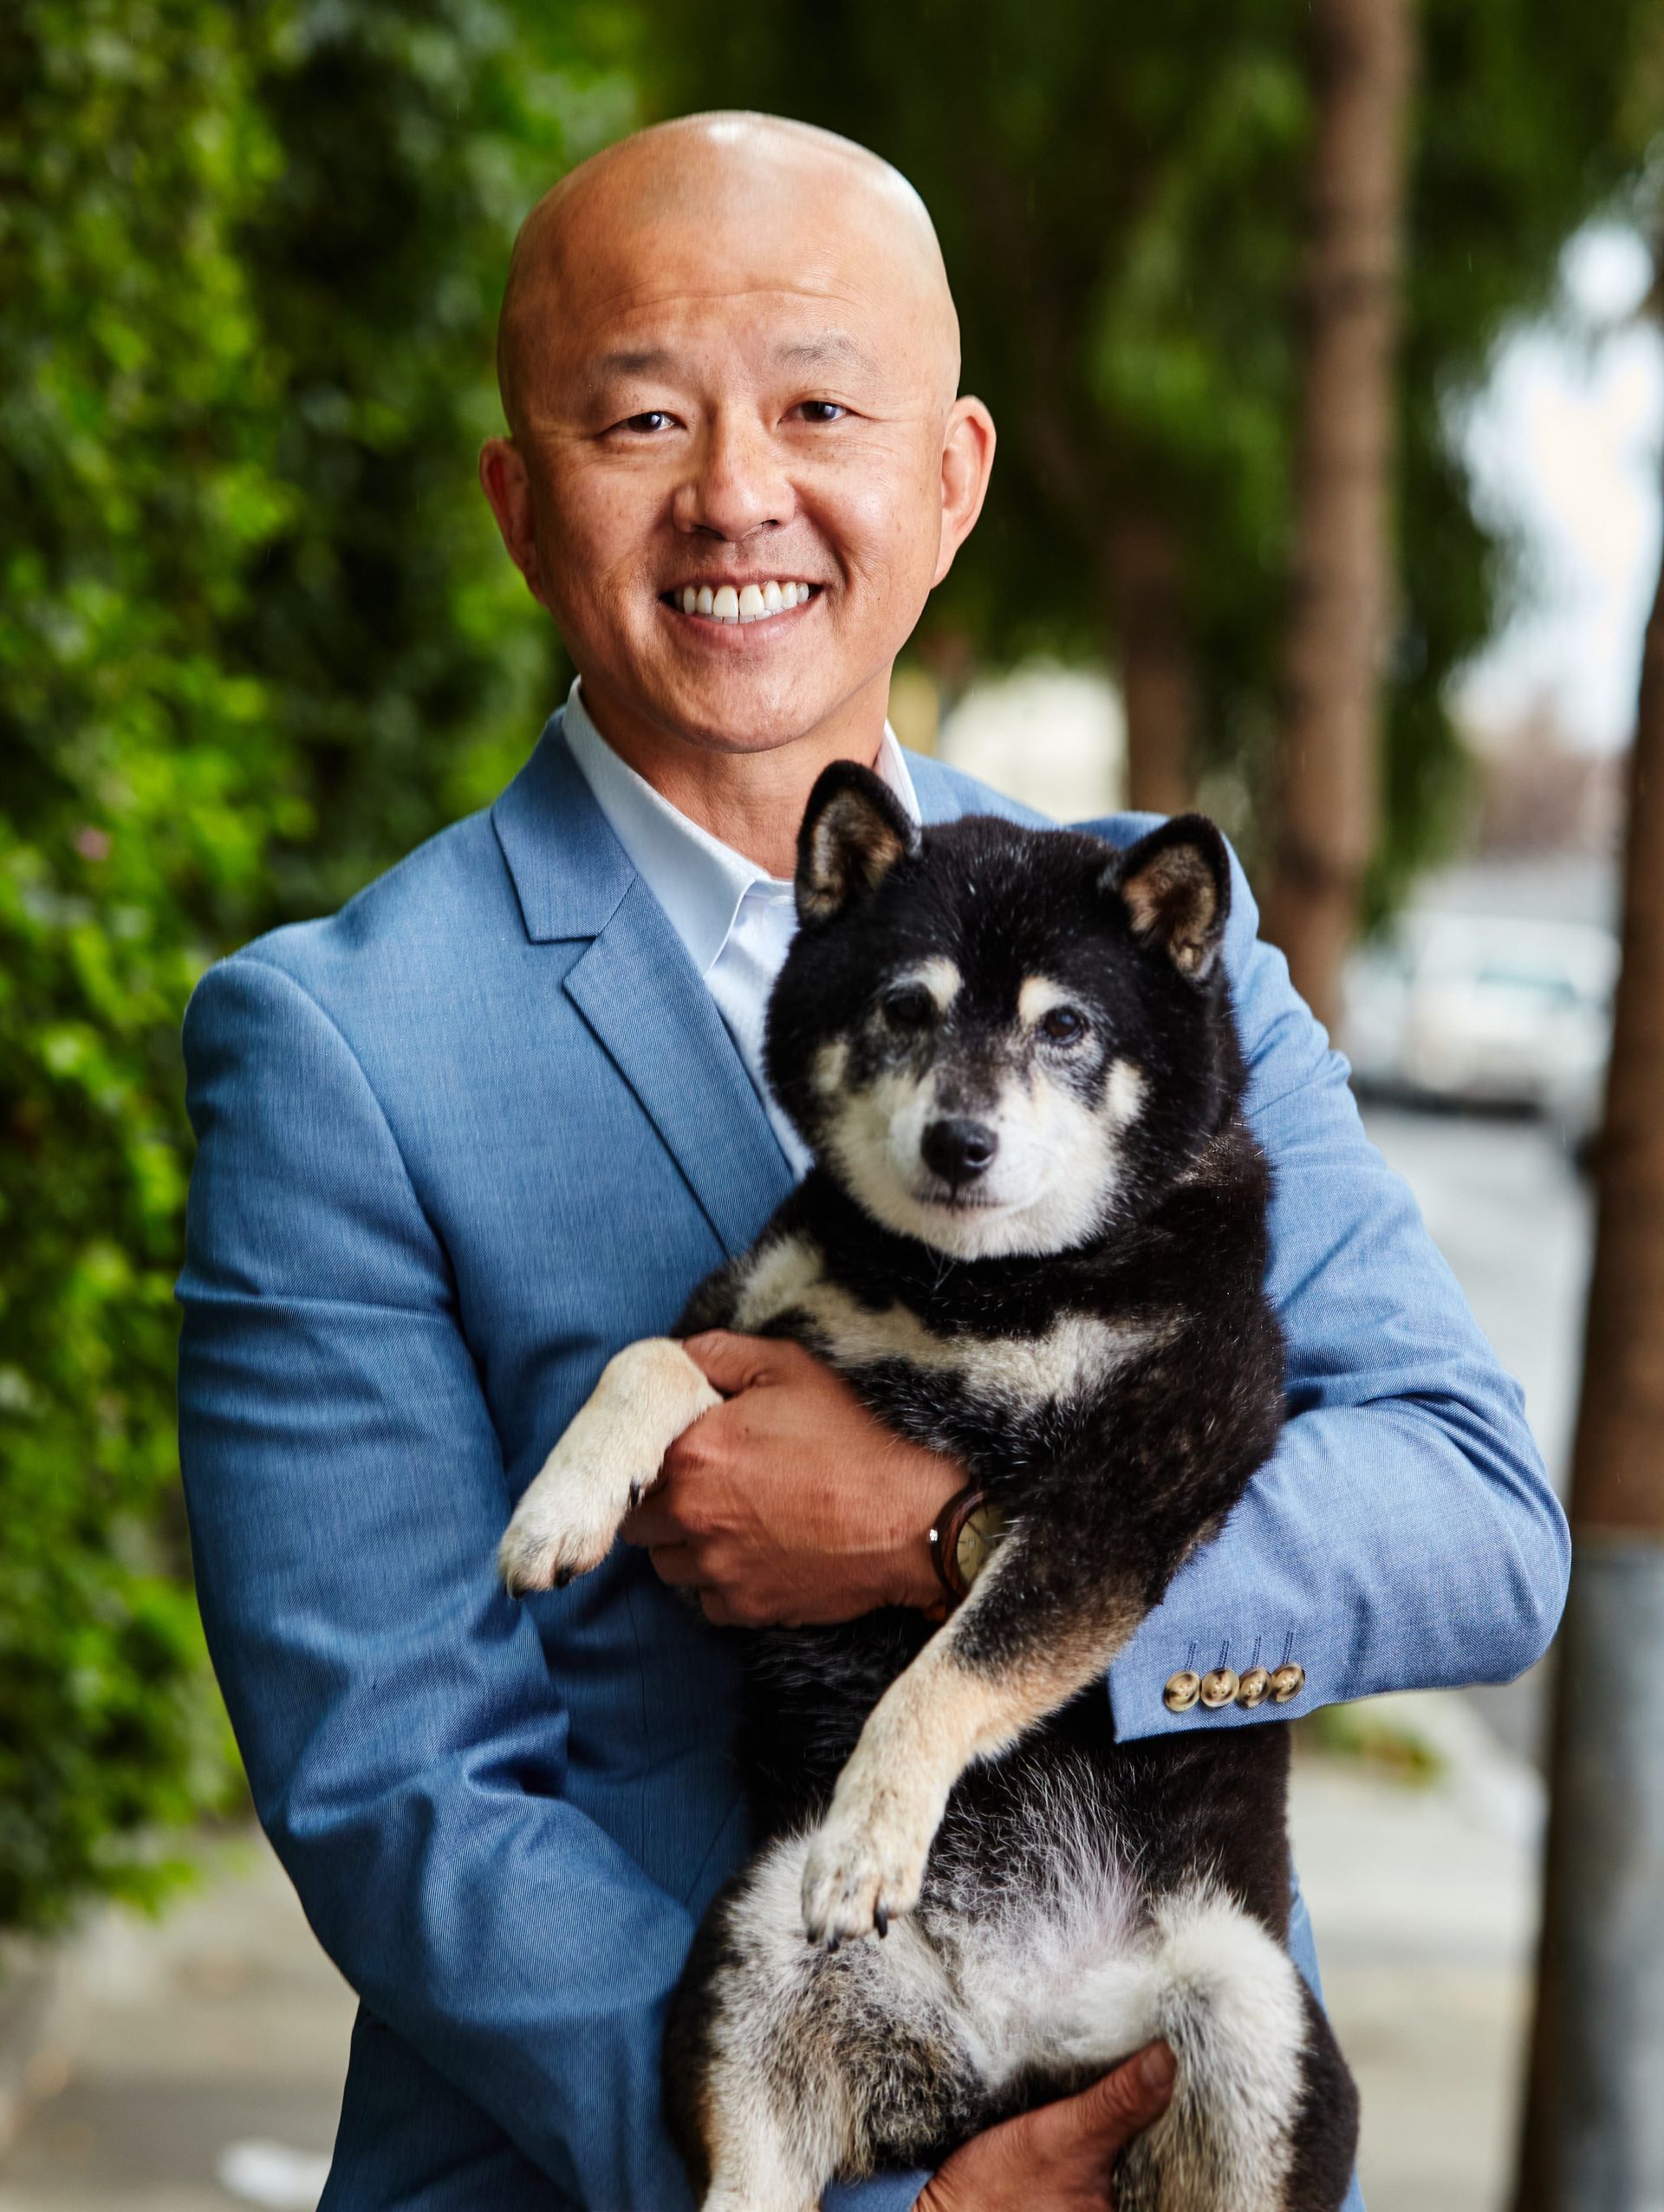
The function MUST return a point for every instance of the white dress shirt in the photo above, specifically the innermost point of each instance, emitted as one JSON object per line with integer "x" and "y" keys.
{"x": 736, "y": 920}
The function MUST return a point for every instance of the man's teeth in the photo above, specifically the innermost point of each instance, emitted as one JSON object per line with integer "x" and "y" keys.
{"x": 748, "y": 604}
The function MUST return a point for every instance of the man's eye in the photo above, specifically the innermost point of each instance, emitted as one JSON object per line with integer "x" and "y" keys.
{"x": 823, "y": 410}
{"x": 653, "y": 419}
{"x": 1064, "y": 1025}
{"x": 911, "y": 1007}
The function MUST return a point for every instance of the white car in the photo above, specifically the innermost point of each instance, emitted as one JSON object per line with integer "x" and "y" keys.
{"x": 1487, "y": 1011}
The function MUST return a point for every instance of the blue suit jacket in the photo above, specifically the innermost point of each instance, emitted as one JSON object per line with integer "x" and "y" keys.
{"x": 457, "y": 1144}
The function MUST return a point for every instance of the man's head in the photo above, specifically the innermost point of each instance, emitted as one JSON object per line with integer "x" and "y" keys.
{"x": 728, "y": 357}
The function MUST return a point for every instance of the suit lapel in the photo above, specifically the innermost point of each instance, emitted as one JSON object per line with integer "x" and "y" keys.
{"x": 638, "y": 993}
{"x": 657, "y": 1022}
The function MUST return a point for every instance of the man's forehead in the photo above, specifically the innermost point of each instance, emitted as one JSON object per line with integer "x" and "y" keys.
{"x": 773, "y": 344}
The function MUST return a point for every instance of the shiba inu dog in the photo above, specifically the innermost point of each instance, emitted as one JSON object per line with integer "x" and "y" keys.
{"x": 1033, "y": 1236}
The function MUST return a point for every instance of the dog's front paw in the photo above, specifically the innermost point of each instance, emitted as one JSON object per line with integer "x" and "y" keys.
{"x": 865, "y": 1867}
{"x": 536, "y": 1554}
{"x": 565, "y": 1525}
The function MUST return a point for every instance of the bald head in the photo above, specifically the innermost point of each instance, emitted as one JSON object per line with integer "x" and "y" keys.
{"x": 726, "y": 199}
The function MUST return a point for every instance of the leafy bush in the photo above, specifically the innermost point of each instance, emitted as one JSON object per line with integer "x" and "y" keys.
{"x": 255, "y": 640}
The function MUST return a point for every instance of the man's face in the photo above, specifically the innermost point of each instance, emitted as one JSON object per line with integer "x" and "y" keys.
{"x": 749, "y": 391}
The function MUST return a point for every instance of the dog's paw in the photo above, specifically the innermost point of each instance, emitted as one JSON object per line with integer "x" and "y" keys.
{"x": 865, "y": 1868}
{"x": 564, "y": 1526}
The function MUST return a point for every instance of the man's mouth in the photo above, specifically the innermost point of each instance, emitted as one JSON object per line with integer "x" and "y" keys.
{"x": 747, "y": 603}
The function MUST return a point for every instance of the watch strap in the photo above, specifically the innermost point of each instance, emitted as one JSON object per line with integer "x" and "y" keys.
{"x": 945, "y": 1534}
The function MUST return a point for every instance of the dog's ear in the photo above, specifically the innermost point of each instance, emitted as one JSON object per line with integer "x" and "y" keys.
{"x": 1175, "y": 885}
{"x": 855, "y": 831}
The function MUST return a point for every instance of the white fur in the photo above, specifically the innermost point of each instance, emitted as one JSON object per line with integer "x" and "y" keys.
{"x": 1053, "y": 1180}
{"x": 567, "y": 1520}
{"x": 1077, "y": 1974}
{"x": 1076, "y": 1357}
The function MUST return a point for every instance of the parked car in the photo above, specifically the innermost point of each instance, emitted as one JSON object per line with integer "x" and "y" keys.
{"x": 1483, "y": 1010}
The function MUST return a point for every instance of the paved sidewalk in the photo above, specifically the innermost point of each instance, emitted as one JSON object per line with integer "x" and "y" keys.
{"x": 214, "y": 2041}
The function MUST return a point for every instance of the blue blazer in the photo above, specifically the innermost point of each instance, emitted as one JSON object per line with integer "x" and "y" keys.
{"x": 456, "y": 1145}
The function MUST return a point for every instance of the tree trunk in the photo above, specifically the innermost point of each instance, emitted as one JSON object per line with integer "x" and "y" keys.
{"x": 1594, "y": 2132}
{"x": 1341, "y": 589}
{"x": 1159, "y": 687}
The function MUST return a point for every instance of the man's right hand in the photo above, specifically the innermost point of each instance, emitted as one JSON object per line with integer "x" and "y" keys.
{"x": 1060, "y": 2158}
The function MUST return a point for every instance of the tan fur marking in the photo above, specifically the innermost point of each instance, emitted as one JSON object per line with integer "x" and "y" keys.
{"x": 937, "y": 975}
{"x": 1036, "y": 998}
{"x": 1174, "y": 893}
{"x": 852, "y": 846}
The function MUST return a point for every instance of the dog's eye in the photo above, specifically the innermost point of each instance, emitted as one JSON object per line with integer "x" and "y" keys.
{"x": 1063, "y": 1025}
{"x": 911, "y": 1007}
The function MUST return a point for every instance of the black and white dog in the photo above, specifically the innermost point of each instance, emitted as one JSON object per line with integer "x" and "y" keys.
{"x": 1034, "y": 1236}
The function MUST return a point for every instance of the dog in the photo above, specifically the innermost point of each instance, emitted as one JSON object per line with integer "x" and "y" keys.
{"x": 1033, "y": 1236}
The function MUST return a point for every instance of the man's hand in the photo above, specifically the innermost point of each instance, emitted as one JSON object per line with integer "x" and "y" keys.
{"x": 790, "y": 1502}
{"x": 1060, "y": 2158}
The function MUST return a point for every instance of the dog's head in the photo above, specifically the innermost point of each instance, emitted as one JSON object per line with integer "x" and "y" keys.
{"x": 997, "y": 1039}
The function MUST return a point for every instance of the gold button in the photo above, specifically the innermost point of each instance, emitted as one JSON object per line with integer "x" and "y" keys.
{"x": 1287, "y": 1682}
{"x": 1219, "y": 1688}
{"x": 1182, "y": 1691}
{"x": 1254, "y": 1688}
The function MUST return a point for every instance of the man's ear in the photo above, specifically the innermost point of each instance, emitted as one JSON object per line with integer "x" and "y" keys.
{"x": 1175, "y": 885}
{"x": 855, "y": 831}
{"x": 507, "y": 490}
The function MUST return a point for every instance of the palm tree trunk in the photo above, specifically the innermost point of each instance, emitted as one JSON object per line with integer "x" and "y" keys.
{"x": 1341, "y": 589}
{"x": 1594, "y": 2132}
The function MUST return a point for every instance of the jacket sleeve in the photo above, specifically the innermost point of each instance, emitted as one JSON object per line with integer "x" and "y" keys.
{"x": 1403, "y": 1535}
{"x": 404, "y": 1743}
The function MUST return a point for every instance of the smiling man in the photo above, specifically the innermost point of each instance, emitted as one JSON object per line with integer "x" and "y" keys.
{"x": 464, "y": 1140}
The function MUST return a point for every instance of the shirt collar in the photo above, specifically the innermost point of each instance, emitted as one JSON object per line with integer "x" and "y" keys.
{"x": 700, "y": 882}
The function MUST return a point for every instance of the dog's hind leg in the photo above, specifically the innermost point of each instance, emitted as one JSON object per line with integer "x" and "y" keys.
{"x": 1264, "y": 2116}
{"x": 787, "y": 2066}
{"x": 567, "y": 1519}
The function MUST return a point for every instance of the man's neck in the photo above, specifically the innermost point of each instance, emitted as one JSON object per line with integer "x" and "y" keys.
{"x": 752, "y": 802}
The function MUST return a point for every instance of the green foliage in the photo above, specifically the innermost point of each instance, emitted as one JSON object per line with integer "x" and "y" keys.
{"x": 142, "y": 780}
{"x": 1119, "y": 193}
{"x": 256, "y": 639}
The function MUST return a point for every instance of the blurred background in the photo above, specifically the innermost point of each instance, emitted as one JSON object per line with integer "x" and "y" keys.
{"x": 1323, "y": 345}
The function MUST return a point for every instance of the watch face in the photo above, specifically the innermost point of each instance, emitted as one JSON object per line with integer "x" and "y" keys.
{"x": 981, "y": 1531}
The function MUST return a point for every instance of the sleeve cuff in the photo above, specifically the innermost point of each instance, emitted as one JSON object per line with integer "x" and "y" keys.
{"x": 1160, "y": 1687}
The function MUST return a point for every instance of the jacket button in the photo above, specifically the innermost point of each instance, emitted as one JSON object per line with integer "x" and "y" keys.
{"x": 1254, "y": 1688}
{"x": 1219, "y": 1688}
{"x": 1182, "y": 1691}
{"x": 1287, "y": 1682}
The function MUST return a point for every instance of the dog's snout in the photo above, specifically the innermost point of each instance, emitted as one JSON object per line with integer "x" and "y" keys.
{"x": 958, "y": 1150}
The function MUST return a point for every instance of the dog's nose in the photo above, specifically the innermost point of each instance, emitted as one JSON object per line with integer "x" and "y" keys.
{"x": 958, "y": 1151}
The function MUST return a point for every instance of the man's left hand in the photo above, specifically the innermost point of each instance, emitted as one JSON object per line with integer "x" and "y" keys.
{"x": 790, "y": 1502}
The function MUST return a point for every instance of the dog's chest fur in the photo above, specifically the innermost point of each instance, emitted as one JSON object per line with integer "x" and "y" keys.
{"x": 954, "y": 1368}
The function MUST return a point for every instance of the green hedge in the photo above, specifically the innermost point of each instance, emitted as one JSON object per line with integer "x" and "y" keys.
{"x": 256, "y": 638}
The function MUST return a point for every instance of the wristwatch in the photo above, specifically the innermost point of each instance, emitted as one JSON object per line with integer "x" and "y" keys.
{"x": 963, "y": 1538}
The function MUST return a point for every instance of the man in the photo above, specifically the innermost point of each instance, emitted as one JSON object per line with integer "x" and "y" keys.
{"x": 463, "y": 1140}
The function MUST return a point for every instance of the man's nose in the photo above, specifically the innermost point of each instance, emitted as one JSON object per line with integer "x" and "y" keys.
{"x": 958, "y": 1150}
{"x": 737, "y": 485}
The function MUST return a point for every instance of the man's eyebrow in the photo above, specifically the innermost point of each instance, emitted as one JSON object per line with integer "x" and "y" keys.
{"x": 645, "y": 361}
{"x": 832, "y": 349}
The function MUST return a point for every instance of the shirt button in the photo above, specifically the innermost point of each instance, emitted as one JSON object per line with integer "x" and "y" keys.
{"x": 1219, "y": 1688}
{"x": 1287, "y": 1682}
{"x": 1182, "y": 1691}
{"x": 1254, "y": 1688}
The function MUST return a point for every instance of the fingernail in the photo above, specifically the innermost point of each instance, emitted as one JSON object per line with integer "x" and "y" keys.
{"x": 1158, "y": 2068}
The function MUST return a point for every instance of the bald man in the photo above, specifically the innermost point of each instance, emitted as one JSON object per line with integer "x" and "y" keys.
{"x": 494, "y": 1120}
